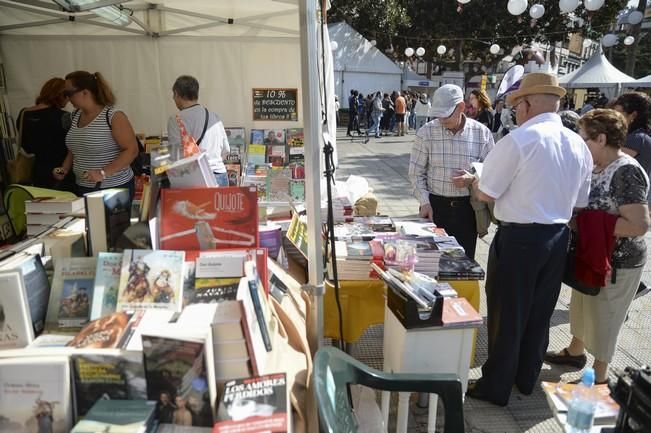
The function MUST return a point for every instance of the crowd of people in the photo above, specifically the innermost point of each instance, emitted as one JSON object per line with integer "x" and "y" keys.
{"x": 549, "y": 173}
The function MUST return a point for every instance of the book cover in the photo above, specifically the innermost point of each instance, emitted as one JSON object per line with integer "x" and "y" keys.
{"x": 559, "y": 396}
{"x": 456, "y": 267}
{"x": 37, "y": 286}
{"x": 16, "y": 329}
{"x": 72, "y": 289}
{"x": 278, "y": 184}
{"x": 276, "y": 155}
{"x": 173, "y": 428}
{"x": 233, "y": 171}
{"x": 118, "y": 416}
{"x": 208, "y": 290}
{"x": 115, "y": 376}
{"x": 191, "y": 172}
{"x": 151, "y": 280}
{"x": 298, "y": 170}
{"x": 297, "y": 190}
{"x": 457, "y": 312}
{"x": 107, "y": 217}
{"x": 255, "y": 404}
{"x": 209, "y": 218}
{"x": 257, "y": 182}
{"x": 35, "y": 395}
{"x": 103, "y": 333}
{"x": 297, "y": 233}
{"x": 175, "y": 371}
{"x": 256, "y": 154}
{"x": 296, "y": 144}
{"x": 274, "y": 137}
{"x": 355, "y": 231}
{"x": 237, "y": 143}
{"x": 107, "y": 281}
{"x": 257, "y": 136}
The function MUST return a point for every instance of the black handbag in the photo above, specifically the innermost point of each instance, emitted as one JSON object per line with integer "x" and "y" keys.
{"x": 569, "y": 275}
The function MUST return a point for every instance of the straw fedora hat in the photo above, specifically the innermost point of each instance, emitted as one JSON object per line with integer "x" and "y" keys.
{"x": 536, "y": 83}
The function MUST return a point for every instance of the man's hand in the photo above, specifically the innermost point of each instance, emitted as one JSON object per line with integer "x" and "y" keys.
{"x": 426, "y": 211}
{"x": 462, "y": 179}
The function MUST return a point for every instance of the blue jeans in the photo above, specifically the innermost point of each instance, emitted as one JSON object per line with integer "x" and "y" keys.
{"x": 221, "y": 179}
{"x": 375, "y": 126}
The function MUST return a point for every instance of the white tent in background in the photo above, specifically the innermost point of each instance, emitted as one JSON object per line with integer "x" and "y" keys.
{"x": 640, "y": 82}
{"x": 359, "y": 65}
{"x": 596, "y": 72}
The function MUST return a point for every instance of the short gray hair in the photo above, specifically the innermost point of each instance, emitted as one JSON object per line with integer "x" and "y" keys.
{"x": 186, "y": 87}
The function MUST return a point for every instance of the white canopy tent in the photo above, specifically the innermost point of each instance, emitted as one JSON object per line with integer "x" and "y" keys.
{"x": 231, "y": 47}
{"x": 414, "y": 81}
{"x": 359, "y": 65}
{"x": 596, "y": 72}
{"x": 640, "y": 82}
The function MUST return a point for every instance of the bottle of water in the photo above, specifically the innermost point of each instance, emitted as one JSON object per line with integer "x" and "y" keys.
{"x": 580, "y": 413}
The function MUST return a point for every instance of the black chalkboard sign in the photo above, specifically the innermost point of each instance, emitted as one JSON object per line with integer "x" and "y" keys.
{"x": 275, "y": 104}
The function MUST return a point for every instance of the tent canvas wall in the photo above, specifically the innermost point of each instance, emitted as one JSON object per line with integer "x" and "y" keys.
{"x": 359, "y": 65}
{"x": 596, "y": 72}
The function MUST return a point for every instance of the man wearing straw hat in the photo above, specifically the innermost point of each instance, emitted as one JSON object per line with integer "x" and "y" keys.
{"x": 536, "y": 175}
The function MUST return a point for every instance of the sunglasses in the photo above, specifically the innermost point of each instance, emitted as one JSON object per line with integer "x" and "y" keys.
{"x": 69, "y": 92}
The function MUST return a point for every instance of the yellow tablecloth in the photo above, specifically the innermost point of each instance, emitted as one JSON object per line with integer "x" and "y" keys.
{"x": 362, "y": 305}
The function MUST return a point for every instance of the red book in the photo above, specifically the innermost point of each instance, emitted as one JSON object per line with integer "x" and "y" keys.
{"x": 209, "y": 218}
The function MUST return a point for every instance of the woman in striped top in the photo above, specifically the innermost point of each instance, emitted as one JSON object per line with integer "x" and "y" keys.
{"x": 101, "y": 142}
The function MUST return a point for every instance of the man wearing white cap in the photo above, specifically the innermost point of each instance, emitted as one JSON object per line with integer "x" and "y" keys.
{"x": 537, "y": 174}
{"x": 441, "y": 157}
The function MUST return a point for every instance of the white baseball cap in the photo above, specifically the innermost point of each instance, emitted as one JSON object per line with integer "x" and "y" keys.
{"x": 445, "y": 100}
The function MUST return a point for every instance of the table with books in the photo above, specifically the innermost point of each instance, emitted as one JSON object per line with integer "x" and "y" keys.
{"x": 363, "y": 295}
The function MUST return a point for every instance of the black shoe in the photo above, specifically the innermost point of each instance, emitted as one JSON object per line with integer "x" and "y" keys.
{"x": 477, "y": 393}
{"x": 642, "y": 290}
{"x": 564, "y": 358}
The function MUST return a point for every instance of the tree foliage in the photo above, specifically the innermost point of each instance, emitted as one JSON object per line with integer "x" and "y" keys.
{"x": 467, "y": 29}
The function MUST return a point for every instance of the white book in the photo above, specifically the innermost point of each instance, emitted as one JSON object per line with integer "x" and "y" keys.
{"x": 16, "y": 329}
{"x": 55, "y": 205}
{"x": 43, "y": 218}
{"x": 191, "y": 172}
{"x": 36, "y": 392}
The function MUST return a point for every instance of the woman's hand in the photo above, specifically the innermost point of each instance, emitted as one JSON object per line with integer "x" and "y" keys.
{"x": 59, "y": 173}
{"x": 94, "y": 176}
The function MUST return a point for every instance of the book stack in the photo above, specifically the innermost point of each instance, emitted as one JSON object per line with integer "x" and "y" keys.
{"x": 458, "y": 266}
{"x": 342, "y": 210}
{"x": 354, "y": 231}
{"x": 354, "y": 259}
{"x": 377, "y": 223}
{"x": 41, "y": 214}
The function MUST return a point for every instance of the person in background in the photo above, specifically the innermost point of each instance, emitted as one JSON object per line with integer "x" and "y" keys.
{"x": 411, "y": 103}
{"x": 636, "y": 108}
{"x": 337, "y": 109}
{"x": 43, "y": 128}
{"x": 368, "y": 105}
{"x": 352, "y": 113}
{"x": 570, "y": 120}
{"x": 101, "y": 142}
{"x": 401, "y": 111}
{"x": 421, "y": 108}
{"x": 483, "y": 108}
{"x": 376, "y": 114}
{"x": 205, "y": 126}
{"x": 441, "y": 158}
{"x": 536, "y": 175}
{"x": 393, "y": 120}
{"x": 497, "y": 118}
{"x": 619, "y": 187}
{"x": 387, "y": 114}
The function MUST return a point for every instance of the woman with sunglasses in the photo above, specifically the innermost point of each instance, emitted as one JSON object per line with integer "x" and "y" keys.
{"x": 101, "y": 142}
{"x": 43, "y": 129}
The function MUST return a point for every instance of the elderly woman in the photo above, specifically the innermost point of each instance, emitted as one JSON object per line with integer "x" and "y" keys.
{"x": 619, "y": 187}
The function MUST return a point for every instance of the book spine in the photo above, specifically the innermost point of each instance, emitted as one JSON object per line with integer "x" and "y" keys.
{"x": 253, "y": 288}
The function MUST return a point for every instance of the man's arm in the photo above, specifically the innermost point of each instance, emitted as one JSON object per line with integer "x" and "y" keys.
{"x": 418, "y": 164}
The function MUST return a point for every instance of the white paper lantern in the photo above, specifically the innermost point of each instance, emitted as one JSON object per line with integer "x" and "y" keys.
{"x": 568, "y": 6}
{"x": 409, "y": 51}
{"x": 537, "y": 11}
{"x": 420, "y": 51}
{"x": 629, "y": 40}
{"x": 373, "y": 42}
{"x": 334, "y": 45}
{"x": 441, "y": 50}
{"x": 593, "y": 5}
{"x": 609, "y": 40}
{"x": 587, "y": 42}
{"x": 517, "y": 7}
{"x": 463, "y": 2}
{"x": 494, "y": 49}
{"x": 635, "y": 18}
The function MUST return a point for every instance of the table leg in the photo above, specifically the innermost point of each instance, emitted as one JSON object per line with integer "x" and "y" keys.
{"x": 431, "y": 417}
{"x": 403, "y": 412}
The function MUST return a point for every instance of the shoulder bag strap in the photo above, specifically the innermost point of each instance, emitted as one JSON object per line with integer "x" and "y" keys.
{"x": 205, "y": 127}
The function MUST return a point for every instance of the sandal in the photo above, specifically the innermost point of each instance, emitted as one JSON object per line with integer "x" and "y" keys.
{"x": 564, "y": 358}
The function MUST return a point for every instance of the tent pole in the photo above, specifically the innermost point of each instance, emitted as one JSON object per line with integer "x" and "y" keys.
{"x": 313, "y": 139}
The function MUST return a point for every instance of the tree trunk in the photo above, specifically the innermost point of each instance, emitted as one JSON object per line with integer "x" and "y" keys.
{"x": 459, "y": 55}
{"x": 632, "y": 50}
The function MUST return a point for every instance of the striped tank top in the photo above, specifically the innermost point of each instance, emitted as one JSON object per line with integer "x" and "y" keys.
{"x": 93, "y": 148}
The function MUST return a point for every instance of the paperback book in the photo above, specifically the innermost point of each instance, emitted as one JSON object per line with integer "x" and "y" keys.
{"x": 296, "y": 144}
{"x": 103, "y": 333}
{"x": 16, "y": 329}
{"x": 274, "y": 137}
{"x": 209, "y": 218}
{"x": 118, "y": 416}
{"x": 278, "y": 184}
{"x": 257, "y": 136}
{"x": 191, "y": 172}
{"x": 255, "y": 404}
{"x": 107, "y": 216}
{"x": 107, "y": 281}
{"x": 72, "y": 289}
{"x": 151, "y": 280}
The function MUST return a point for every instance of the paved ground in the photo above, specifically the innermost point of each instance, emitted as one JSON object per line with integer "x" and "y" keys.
{"x": 384, "y": 163}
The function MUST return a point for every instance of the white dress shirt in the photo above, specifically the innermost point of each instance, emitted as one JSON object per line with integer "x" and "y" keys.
{"x": 538, "y": 173}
